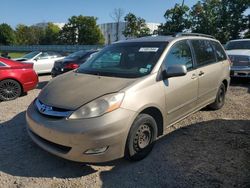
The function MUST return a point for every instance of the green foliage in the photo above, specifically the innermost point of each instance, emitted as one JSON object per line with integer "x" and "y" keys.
{"x": 26, "y": 35}
{"x": 51, "y": 34}
{"x": 223, "y": 19}
{"x": 22, "y": 34}
{"x": 7, "y": 35}
{"x": 177, "y": 20}
{"x": 81, "y": 30}
{"x": 247, "y": 35}
{"x": 135, "y": 27}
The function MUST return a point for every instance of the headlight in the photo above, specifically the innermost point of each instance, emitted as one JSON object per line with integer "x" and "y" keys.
{"x": 99, "y": 106}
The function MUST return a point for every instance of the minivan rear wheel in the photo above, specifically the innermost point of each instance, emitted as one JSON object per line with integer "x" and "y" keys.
{"x": 220, "y": 98}
{"x": 141, "y": 138}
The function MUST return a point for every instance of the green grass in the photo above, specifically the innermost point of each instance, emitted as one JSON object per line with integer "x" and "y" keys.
{"x": 15, "y": 54}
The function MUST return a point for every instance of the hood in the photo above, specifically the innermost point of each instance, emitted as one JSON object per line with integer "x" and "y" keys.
{"x": 72, "y": 90}
{"x": 238, "y": 52}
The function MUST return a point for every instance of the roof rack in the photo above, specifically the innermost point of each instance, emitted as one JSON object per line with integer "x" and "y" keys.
{"x": 193, "y": 34}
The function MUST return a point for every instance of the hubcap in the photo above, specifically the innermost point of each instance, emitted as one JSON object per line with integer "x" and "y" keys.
{"x": 143, "y": 137}
{"x": 9, "y": 90}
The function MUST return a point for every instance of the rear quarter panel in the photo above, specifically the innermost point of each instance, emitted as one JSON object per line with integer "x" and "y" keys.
{"x": 26, "y": 77}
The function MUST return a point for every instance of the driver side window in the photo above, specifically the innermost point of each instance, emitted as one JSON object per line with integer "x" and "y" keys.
{"x": 179, "y": 53}
{"x": 43, "y": 55}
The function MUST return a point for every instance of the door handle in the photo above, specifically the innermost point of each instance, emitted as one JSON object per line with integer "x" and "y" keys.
{"x": 201, "y": 73}
{"x": 193, "y": 76}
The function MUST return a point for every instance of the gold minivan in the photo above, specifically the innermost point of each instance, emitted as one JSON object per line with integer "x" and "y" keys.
{"x": 123, "y": 98}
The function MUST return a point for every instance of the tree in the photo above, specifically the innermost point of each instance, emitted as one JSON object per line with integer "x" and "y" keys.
{"x": 22, "y": 34}
{"x": 247, "y": 35}
{"x": 116, "y": 16}
{"x": 81, "y": 30}
{"x": 135, "y": 26}
{"x": 51, "y": 34}
{"x": 177, "y": 20}
{"x": 7, "y": 35}
{"x": 26, "y": 35}
{"x": 223, "y": 19}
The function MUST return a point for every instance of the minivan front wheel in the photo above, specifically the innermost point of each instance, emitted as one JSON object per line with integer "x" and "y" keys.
{"x": 141, "y": 138}
{"x": 220, "y": 99}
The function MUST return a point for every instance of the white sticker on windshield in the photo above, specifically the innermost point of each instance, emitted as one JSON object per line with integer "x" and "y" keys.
{"x": 148, "y": 49}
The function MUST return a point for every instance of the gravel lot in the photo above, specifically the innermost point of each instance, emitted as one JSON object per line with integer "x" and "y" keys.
{"x": 212, "y": 149}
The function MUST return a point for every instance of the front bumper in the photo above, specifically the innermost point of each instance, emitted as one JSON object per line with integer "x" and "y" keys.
{"x": 243, "y": 72}
{"x": 70, "y": 139}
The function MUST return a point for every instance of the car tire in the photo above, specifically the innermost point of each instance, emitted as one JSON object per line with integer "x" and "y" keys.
{"x": 141, "y": 137}
{"x": 220, "y": 98}
{"x": 9, "y": 90}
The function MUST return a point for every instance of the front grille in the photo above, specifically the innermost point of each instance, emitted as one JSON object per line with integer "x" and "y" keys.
{"x": 51, "y": 111}
{"x": 240, "y": 60}
{"x": 60, "y": 148}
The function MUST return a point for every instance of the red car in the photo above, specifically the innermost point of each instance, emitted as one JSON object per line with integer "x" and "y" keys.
{"x": 16, "y": 78}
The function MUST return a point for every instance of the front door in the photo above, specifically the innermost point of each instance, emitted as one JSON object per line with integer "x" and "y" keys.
{"x": 180, "y": 92}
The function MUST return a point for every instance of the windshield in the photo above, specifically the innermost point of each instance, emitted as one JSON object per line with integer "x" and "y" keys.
{"x": 76, "y": 55}
{"x": 234, "y": 45}
{"x": 127, "y": 60}
{"x": 30, "y": 55}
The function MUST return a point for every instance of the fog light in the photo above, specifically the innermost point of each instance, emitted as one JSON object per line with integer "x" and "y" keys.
{"x": 96, "y": 150}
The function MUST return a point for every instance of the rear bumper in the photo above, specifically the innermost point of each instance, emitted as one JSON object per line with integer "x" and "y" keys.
{"x": 30, "y": 82}
{"x": 240, "y": 72}
{"x": 70, "y": 139}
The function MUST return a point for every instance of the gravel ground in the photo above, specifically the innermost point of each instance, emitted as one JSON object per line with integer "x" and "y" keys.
{"x": 210, "y": 149}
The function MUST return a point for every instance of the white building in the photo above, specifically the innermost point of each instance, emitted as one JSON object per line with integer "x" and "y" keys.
{"x": 110, "y": 34}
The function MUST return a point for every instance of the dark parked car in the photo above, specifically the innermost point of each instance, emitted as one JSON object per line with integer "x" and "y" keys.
{"x": 71, "y": 62}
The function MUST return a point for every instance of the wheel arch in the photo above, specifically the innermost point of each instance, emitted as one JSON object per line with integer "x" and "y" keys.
{"x": 225, "y": 82}
{"x": 157, "y": 115}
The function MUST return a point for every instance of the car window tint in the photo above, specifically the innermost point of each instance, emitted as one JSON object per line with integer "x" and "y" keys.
{"x": 107, "y": 60}
{"x": 2, "y": 64}
{"x": 180, "y": 53}
{"x": 220, "y": 53}
{"x": 204, "y": 52}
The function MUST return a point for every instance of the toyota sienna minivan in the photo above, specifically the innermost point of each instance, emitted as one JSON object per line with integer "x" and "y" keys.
{"x": 119, "y": 101}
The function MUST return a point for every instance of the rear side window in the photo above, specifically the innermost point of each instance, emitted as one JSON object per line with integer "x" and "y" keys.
{"x": 204, "y": 52}
{"x": 220, "y": 53}
{"x": 179, "y": 53}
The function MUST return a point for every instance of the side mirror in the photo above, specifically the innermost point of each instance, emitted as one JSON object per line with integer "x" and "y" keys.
{"x": 174, "y": 71}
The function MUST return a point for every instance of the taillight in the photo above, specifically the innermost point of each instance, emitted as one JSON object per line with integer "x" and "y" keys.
{"x": 71, "y": 66}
